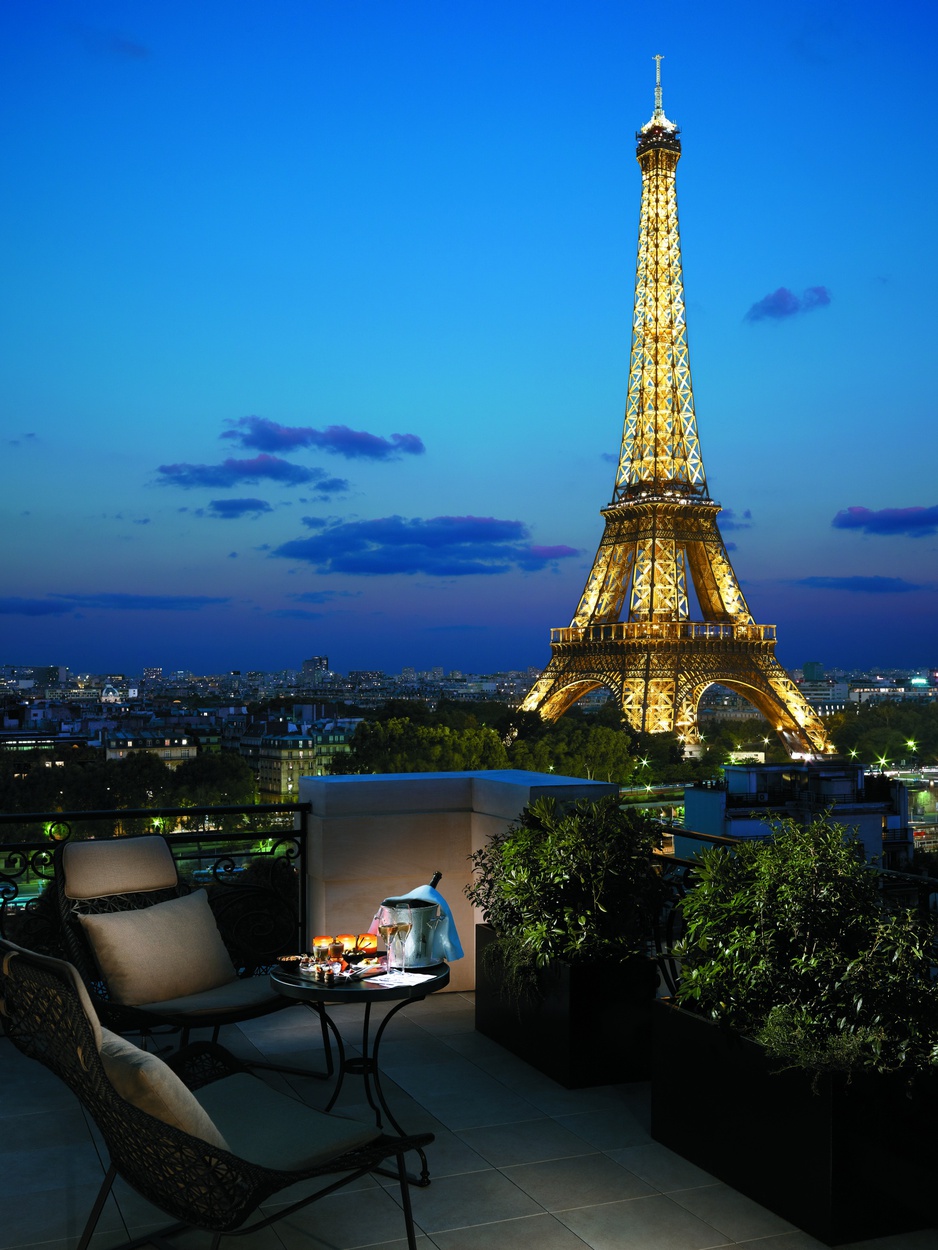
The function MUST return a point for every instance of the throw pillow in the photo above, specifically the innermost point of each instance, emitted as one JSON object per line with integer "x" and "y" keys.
{"x": 165, "y": 951}
{"x": 147, "y": 1082}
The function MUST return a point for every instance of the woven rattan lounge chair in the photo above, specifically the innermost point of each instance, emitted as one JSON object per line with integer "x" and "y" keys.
{"x": 151, "y": 951}
{"x": 207, "y": 1152}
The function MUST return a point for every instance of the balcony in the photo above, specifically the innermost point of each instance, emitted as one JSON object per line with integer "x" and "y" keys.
{"x": 519, "y": 1163}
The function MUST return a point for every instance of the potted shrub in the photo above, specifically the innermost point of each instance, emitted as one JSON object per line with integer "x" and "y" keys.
{"x": 563, "y": 976}
{"x": 798, "y": 1063}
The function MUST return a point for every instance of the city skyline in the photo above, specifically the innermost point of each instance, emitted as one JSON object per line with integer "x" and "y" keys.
{"x": 317, "y": 323}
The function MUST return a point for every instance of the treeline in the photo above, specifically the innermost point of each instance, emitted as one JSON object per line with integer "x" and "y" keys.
{"x": 406, "y": 737}
{"x": 80, "y": 779}
{"x": 892, "y": 731}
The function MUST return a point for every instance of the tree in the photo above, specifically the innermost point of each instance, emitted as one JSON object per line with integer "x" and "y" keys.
{"x": 401, "y": 746}
{"x": 210, "y": 779}
{"x": 574, "y": 749}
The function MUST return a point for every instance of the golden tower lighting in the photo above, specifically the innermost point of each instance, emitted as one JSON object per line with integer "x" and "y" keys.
{"x": 632, "y": 631}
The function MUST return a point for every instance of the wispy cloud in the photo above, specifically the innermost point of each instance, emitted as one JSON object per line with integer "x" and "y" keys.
{"x": 730, "y": 520}
{"x": 916, "y": 522}
{"x": 439, "y": 546}
{"x": 862, "y": 585}
{"x": 12, "y": 605}
{"x": 322, "y": 596}
{"x": 232, "y": 509}
{"x": 142, "y": 603}
{"x": 784, "y": 303}
{"x": 296, "y": 614}
{"x": 235, "y": 472}
{"x": 263, "y": 434}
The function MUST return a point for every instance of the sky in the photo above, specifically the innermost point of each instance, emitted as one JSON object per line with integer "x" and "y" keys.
{"x": 315, "y": 317}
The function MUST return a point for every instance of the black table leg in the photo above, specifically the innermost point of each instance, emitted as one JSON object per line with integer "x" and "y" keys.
{"x": 366, "y": 1066}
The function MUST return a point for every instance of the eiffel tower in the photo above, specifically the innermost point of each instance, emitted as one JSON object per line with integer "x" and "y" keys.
{"x": 633, "y": 631}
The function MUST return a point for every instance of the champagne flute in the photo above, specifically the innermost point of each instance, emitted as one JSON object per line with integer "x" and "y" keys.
{"x": 401, "y": 930}
{"x": 387, "y": 927}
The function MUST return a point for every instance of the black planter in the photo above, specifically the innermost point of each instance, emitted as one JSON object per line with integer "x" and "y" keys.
{"x": 590, "y": 1025}
{"x": 850, "y": 1161}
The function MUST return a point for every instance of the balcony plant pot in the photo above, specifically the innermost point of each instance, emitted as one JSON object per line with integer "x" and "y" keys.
{"x": 583, "y": 1024}
{"x": 571, "y": 893}
{"x": 844, "y": 1158}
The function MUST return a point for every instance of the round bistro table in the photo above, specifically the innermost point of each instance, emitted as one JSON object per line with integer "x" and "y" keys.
{"x": 319, "y": 997}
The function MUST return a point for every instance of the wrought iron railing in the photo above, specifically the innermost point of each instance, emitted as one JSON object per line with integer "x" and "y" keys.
{"x": 212, "y": 846}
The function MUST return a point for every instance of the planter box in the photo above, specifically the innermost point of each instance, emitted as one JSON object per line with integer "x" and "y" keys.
{"x": 591, "y": 1025}
{"x": 850, "y": 1161}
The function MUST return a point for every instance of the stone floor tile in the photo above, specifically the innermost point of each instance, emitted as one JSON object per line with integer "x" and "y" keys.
{"x": 661, "y": 1167}
{"x": 731, "y": 1212}
{"x": 465, "y": 1111}
{"x": 531, "y": 1232}
{"x": 59, "y": 1215}
{"x": 343, "y": 1221}
{"x": 798, "y": 1240}
{"x": 525, "y": 1141}
{"x": 562, "y": 1184}
{"x": 654, "y": 1223}
{"x": 475, "y": 1198}
{"x": 608, "y": 1129}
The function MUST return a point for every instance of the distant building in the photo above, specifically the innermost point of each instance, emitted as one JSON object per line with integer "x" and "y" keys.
{"x": 738, "y": 807}
{"x": 279, "y": 760}
{"x": 825, "y": 694}
{"x": 171, "y": 748}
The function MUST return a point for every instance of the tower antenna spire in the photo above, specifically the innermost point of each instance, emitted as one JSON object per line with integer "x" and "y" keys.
{"x": 659, "y": 109}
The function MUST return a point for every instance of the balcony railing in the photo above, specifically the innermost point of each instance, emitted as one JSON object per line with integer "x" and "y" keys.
{"x": 212, "y": 846}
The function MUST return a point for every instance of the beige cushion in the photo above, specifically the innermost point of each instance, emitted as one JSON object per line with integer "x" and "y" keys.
{"x": 275, "y": 1131}
{"x": 96, "y": 869}
{"x": 235, "y": 996}
{"x": 147, "y": 1082}
{"x": 11, "y": 950}
{"x": 159, "y": 952}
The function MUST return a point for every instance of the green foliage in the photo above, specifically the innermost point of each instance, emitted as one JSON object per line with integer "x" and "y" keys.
{"x": 577, "y": 750}
{"x": 574, "y": 883}
{"x": 82, "y": 780}
{"x": 880, "y": 730}
{"x": 788, "y": 942}
{"x": 209, "y": 778}
{"x": 403, "y": 746}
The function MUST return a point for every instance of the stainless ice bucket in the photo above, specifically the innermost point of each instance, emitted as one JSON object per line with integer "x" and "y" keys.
{"x": 423, "y": 919}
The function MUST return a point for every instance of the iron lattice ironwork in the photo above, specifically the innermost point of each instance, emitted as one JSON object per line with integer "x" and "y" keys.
{"x": 633, "y": 631}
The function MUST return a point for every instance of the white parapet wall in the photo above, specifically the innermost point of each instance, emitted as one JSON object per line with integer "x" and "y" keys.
{"x": 379, "y": 836}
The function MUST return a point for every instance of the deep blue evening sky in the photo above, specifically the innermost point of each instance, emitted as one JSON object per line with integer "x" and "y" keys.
{"x": 316, "y": 318}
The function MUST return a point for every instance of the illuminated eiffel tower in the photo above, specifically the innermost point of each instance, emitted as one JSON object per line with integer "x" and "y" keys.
{"x": 633, "y": 631}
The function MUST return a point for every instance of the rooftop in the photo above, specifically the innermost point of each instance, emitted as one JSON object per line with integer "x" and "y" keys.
{"x": 519, "y": 1163}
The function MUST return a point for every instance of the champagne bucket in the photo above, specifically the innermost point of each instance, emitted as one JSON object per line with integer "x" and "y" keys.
{"x": 423, "y": 919}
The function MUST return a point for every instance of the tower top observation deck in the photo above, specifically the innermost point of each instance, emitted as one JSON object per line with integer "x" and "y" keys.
{"x": 658, "y": 131}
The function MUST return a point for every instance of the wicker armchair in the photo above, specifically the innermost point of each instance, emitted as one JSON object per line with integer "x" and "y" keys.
{"x": 152, "y": 952}
{"x": 207, "y": 1149}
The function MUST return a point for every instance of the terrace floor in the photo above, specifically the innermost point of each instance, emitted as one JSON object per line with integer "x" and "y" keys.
{"x": 519, "y": 1163}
